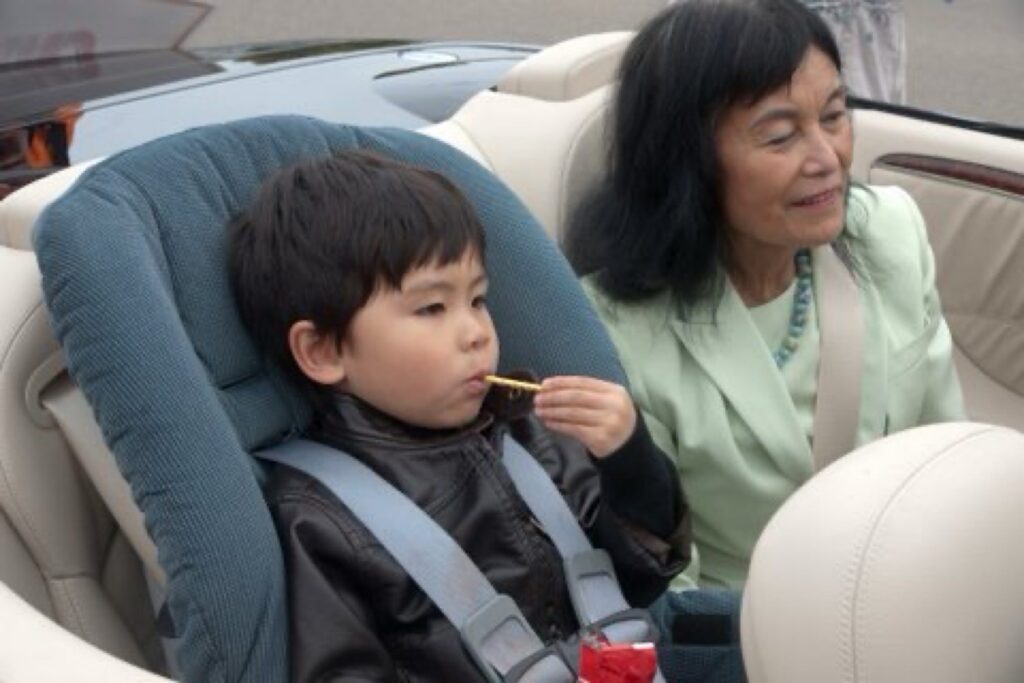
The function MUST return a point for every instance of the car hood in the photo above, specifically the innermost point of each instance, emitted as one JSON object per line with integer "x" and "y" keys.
{"x": 101, "y": 104}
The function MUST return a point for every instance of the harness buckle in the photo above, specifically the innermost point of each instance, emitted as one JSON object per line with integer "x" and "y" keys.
{"x": 500, "y": 641}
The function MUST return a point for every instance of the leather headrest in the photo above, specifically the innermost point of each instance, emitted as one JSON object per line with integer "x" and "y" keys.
{"x": 568, "y": 69}
{"x": 900, "y": 562}
{"x": 19, "y": 211}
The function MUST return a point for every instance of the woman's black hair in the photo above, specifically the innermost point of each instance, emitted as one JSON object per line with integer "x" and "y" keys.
{"x": 321, "y": 237}
{"x": 655, "y": 222}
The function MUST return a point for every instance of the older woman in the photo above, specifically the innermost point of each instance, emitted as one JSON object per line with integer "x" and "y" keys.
{"x": 770, "y": 314}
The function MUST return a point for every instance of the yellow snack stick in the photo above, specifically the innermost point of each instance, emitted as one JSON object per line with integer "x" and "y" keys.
{"x": 513, "y": 383}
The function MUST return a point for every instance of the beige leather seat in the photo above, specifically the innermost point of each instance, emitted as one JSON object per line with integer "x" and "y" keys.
{"x": 34, "y": 648}
{"x": 900, "y": 562}
{"x": 61, "y": 550}
{"x": 569, "y": 69}
{"x": 18, "y": 211}
{"x": 543, "y": 131}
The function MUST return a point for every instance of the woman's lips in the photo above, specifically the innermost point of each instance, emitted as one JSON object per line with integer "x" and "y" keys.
{"x": 818, "y": 200}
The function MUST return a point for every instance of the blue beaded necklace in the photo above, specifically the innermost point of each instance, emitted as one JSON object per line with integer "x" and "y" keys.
{"x": 801, "y": 303}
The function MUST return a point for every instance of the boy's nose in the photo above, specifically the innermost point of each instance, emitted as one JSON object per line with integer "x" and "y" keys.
{"x": 477, "y": 333}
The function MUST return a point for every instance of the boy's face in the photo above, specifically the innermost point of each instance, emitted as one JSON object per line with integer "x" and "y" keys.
{"x": 419, "y": 353}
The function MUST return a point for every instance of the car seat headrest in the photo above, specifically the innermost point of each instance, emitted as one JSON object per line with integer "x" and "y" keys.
{"x": 551, "y": 173}
{"x": 133, "y": 263}
{"x": 569, "y": 69}
{"x": 900, "y": 562}
{"x": 19, "y": 211}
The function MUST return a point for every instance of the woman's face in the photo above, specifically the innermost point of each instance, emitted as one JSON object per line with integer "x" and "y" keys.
{"x": 784, "y": 162}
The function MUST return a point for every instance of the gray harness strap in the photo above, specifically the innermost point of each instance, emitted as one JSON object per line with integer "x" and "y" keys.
{"x": 589, "y": 574}
{"x": 493, "y": 629}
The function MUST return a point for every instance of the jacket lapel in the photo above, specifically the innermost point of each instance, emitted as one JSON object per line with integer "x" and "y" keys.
{"x": 735, "y": 357}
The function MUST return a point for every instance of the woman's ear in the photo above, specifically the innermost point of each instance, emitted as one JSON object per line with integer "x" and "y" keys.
{"x": 318, "y": 355}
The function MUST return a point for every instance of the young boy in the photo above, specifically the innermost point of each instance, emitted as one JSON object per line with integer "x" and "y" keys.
{"x": 365, "y": 279}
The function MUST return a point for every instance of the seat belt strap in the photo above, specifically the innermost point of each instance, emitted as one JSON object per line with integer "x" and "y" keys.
{"x": 589, "y": 574}
{"x": 841, "y": 362}
{"x": 494, "y": 630}
{"x": 592, "y": 584}
{"x": 544, "y": 499}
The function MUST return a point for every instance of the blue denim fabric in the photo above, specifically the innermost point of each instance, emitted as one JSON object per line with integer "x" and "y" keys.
{"x": 700, "y": 632}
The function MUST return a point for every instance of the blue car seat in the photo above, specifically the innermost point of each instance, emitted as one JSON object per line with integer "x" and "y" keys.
{"x": 133, "y": 264}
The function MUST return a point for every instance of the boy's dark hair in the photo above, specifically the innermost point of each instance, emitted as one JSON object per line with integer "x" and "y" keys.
{"x": 321, "y": 237}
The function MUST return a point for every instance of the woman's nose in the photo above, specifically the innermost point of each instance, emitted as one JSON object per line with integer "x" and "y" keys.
{"x": 822, "y": 157}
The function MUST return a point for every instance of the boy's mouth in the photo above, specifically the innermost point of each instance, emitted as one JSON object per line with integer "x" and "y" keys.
{"x": 476, "y": 384}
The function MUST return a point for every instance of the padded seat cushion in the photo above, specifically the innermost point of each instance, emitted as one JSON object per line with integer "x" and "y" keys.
{"x": 133, "y": 263}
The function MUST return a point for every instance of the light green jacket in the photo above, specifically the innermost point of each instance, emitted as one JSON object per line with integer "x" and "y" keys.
{"x": 715, "y": 401}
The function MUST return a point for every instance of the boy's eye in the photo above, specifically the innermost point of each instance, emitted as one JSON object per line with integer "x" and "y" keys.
{"x": 430, "y": 309}
{"x": 480, "y": 301}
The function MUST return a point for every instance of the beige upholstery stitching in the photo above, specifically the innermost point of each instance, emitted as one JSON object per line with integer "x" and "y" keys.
{"x": 478, "y": 148}
{"x": 36, "y": 546}
{"x": 84, "y": 574}
{"x": 594, "y": 56}
{"x": 864, "y": 560}
{"x": 59, "y": 585}
{"x": 106, "y": 553}
{"x": 21, "y": 328}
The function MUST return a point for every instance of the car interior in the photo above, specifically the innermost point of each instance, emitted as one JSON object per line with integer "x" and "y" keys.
{"x": 888, "y": 566}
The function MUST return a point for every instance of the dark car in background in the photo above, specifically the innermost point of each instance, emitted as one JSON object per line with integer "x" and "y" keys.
{"x": 61, "y": 111}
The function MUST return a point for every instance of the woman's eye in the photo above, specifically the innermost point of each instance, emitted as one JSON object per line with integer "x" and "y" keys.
{"x": 834, "y": 116}
{"x": 430, "y": 309}
{"x": 480, "y": 301}
{"x": 780, "y": 139}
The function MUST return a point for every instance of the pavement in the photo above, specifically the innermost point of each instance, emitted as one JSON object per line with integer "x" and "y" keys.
{"x": 964, "y": 56}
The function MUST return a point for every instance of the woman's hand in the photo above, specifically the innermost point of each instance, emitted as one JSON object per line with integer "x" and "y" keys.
{"x": 599, "y": 414}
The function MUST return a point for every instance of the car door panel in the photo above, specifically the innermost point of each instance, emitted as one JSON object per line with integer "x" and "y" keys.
{"x": 970, "y": 188}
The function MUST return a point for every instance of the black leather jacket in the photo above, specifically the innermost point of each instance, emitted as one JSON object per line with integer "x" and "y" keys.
{"x": 354, "y": 614}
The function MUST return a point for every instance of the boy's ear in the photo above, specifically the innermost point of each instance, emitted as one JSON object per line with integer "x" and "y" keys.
{"x": 318, "y": 355}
